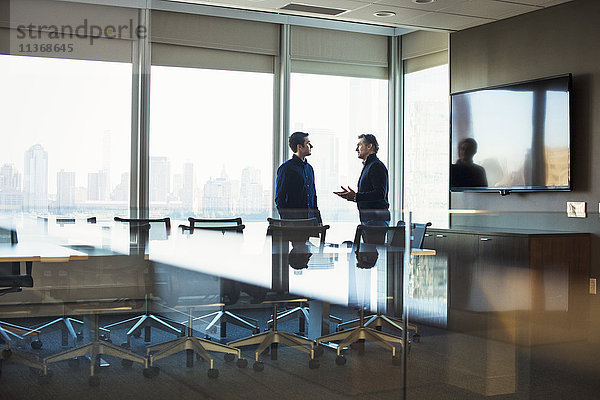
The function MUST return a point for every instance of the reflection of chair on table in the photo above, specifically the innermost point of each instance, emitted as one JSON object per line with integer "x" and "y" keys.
{"x": 230, "y": 292}
{"x": 379, "y": 320}
{"x": 283, "y": 232}
{"x": 139, "y": 231}
{"x": 394, "y": 246}
{"x": 12, "y": 281}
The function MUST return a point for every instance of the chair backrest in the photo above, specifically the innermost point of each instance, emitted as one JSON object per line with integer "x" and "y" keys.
{"x": 145, "y": 222}
{"x": 296, "y": 228}
{"x": 216, "y": 224}
{"x": 417, "y": 236}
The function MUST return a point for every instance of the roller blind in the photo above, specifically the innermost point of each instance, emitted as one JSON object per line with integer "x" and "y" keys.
{"x": 423, "y": 49}
{"x": 45, "y": 28}
{"x": 331, "y": 52}
{"x": 425, "y": 62}
{"x": 202, "y": 41}
{"x": 421, "y": 43}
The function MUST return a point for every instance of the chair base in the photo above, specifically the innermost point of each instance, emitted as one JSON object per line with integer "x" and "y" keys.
{"x": 302, "y": 313}
{"x": 274, "y": 337}
{"x": 9, "y": 331}
{"x": 224, "y": 317}
{"x": 93, "y": 350}
{"x": 199, "y": 346}
{"x": 28, "y": 359}
{"x": 64, "y": 322}
{"x": 350, "y": 336}
{"x": 148, "y": 321}
{"x": 378, "y": 321}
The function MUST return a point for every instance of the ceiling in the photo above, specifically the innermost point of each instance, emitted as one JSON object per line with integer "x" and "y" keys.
{"x": 445, "y": 15}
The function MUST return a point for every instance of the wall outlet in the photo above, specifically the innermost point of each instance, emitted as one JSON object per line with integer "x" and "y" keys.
{"x": 576, "y": 209}
{"x": 592, "y": 285}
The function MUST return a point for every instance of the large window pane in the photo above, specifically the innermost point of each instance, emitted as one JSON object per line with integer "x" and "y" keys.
{"x": 65, "y": 136}
{"x": 211, "y": 143}
{"x": 334, "y": 110}
{"x": 426, "y": 148}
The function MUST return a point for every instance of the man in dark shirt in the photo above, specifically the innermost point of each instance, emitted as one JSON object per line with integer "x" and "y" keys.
{"x": 295, "y": 194}
{"x": 372, "y": 195}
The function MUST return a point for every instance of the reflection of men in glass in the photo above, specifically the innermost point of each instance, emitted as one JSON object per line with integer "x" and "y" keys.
{"x": 371, "y": 197}
{"x": 295, "y": 194}
{"x": 465, "y": 173}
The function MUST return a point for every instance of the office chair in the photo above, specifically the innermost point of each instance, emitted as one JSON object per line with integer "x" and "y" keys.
{"x": 393, "y": 241}
{"x": 64, "y": 322}
{"x": 12, "y": 281}
{"x": 139, "y": 230}
{"x": 301, "y": 312}
{"x": 229, "y": 291}
{"x": 192, "y": 344}
{"x": 379, "y": 320}
{"x": 283, "y": 232}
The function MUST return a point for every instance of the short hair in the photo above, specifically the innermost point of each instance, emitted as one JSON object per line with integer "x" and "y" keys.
{"x": 370, "y": 139}
{"x": 297, "y": 138}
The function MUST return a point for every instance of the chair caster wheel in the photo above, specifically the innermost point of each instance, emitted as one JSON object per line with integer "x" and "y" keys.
{"x": 79, "y": 336}
{"x": 258, "y": 366}
{"x": 340, "y": 360}
{"x": 151, "y": 372}
{"x": 94, "y": 381}
{"x": 256, "y": 331}
{"x": 43, "y": 379}
{"x": 36, "y": 344}
{"x": 213, "y": 373}
{"x": 73, "y": 363}
{"x": 126, "y": 363}
{"x": 241, "y": 363}
{"x": 416, "y": 338}
{"x": 319, "y": 351}
{"x": 313, "y": 364}
{"x": 229, "y": 357}
{"x": 137, "y": 334}
{"x": 105, "y": 338}
{"x": 397, "y": 360}
{"x": 6, "y": 353}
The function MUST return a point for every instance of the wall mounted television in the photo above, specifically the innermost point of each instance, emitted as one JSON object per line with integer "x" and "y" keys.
{"x": 512, "y": 138}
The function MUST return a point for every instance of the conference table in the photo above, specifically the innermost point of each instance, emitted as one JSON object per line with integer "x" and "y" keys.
{"x": 186, "y": 265}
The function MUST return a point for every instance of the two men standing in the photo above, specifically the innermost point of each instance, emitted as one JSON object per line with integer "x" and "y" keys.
{"x": 295, "y": 194}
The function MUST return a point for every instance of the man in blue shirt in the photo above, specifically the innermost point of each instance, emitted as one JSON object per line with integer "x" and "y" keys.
{"x": 295, "y": 194}
{"x": 372, "y": 195}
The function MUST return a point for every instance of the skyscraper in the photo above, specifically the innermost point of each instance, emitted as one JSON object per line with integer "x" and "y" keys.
{"x": 35, "y": 182}
{"x": 10, "y": 179}
{"x": 187, "y": 195}
{"x": 159, "y": 179}
{"x": 92, "y": 192}
{"x": 11, "y": 197}
{"x": 65, "y": 196}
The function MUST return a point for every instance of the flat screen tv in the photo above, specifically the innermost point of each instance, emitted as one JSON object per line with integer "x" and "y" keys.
{"x": 512, "y": 138}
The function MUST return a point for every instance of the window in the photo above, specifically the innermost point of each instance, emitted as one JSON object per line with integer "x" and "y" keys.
{"x": 66, "y": 136}
{"x": 211, "y": 143}
{"x": 334, "y": 110}
{"x": 426, "y": 146}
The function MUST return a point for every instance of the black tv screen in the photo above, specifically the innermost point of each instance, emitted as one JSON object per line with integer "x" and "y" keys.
{"x": 512, "y": 137}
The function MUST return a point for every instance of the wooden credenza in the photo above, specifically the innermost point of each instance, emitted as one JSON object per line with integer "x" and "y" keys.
{"x": 525, "y": 287}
